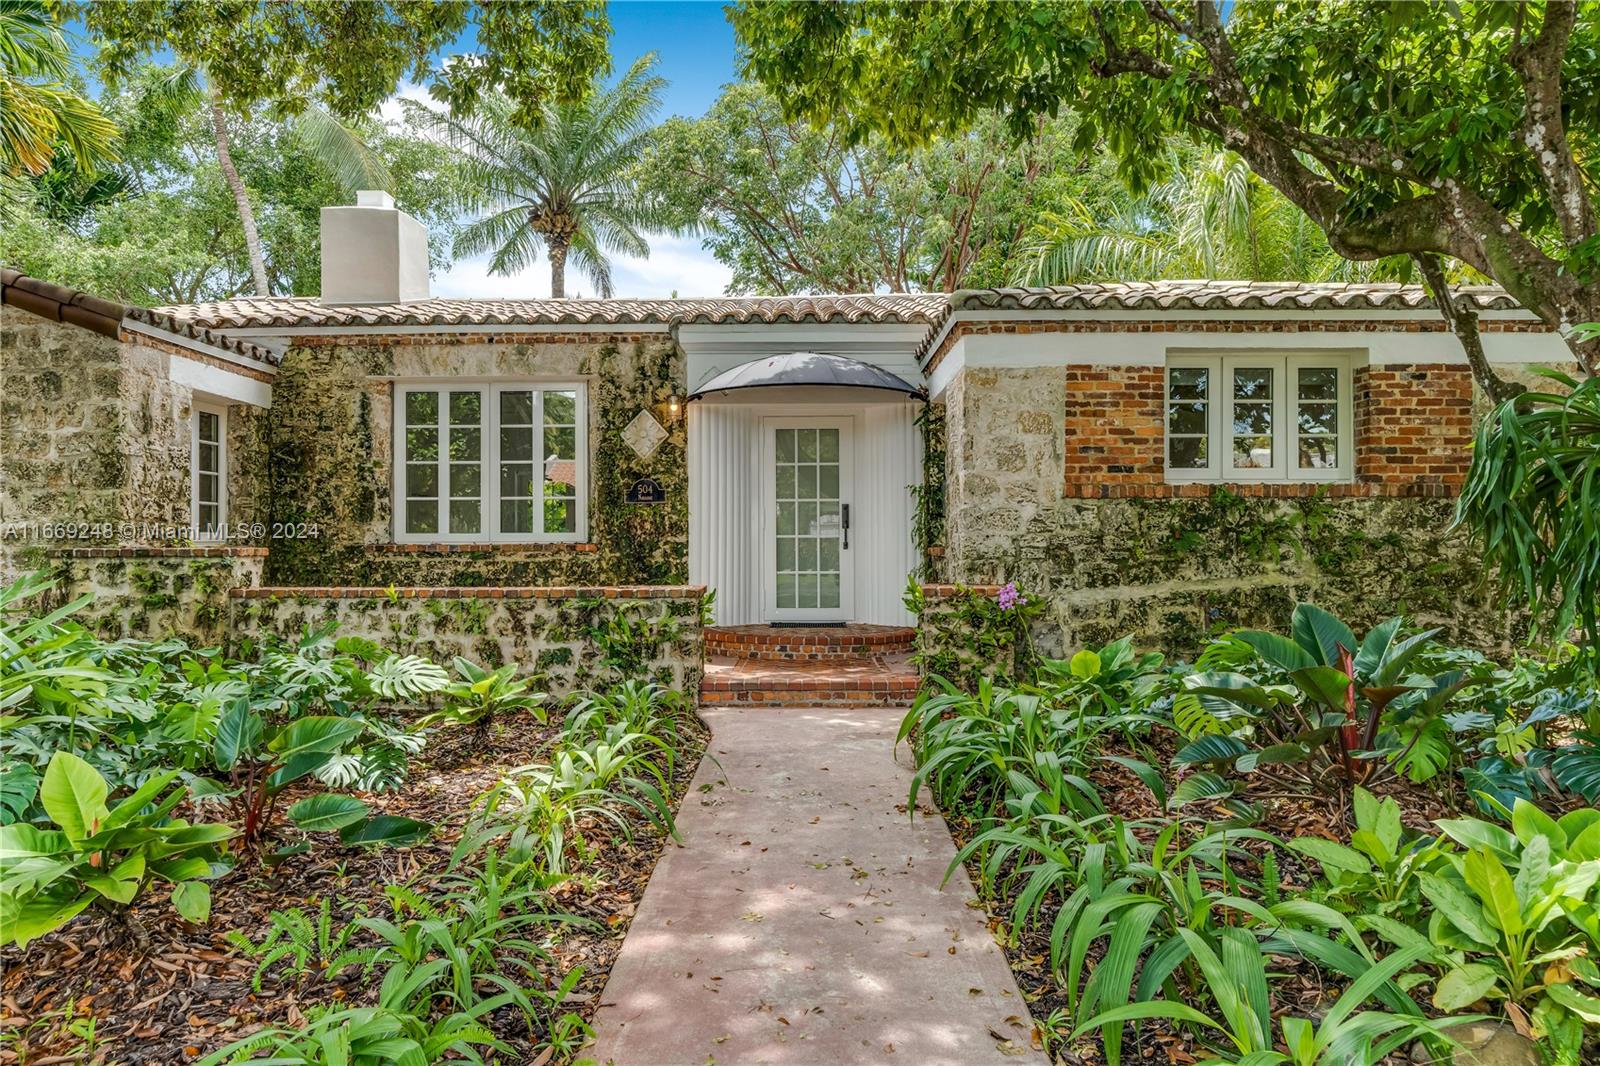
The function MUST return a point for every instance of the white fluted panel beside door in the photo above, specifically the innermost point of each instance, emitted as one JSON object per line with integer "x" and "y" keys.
{"x": 889, "y": 463}
{"x": 725, "y": 508}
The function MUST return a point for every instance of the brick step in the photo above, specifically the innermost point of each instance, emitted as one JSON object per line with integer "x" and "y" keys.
{"x": 881, "y": 681}
{"x": 800, "y": 644}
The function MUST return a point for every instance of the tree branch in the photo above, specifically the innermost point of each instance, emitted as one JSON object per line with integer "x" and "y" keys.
{"x": 1464, "y": 322}
{"x": 1544, "y": 132}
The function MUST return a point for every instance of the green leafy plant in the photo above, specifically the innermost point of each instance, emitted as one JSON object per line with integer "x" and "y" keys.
{"x": 1236, "y": 979}
{"x": 399, "y": 1028}
{"x": 1379, "y": 870}
{"x": 102, "y": 855}
{"x": 261, "y": 761}
{"x": 1531, "y": 497}
{"x": 1324, "y": 720}
{"x": 1520, "y": 931}
{"x": 543, "y": 806}
{"x": 481, "y": 696}
{"x": 315, "y": 945}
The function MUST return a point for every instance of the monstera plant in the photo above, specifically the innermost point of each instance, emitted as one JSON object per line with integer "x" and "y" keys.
{"x": 1321, "y": 701}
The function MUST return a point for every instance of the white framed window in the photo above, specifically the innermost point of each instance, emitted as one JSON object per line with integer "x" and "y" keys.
{"x": 1253, "y": 416}
{"x": 208, "y": 472}
{"x": 490, "y": 462}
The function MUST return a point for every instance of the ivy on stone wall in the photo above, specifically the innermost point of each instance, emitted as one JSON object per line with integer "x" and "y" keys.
{"x": 639, "y": 543}
{"x": 928, "y": 520}
{"x": 968, "y": 635}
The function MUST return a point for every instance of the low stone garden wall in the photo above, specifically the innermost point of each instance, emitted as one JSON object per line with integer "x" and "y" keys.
{"x": 154, "y": 593}
{"x": 570, "y": 637}
{"x": 969, "y": 632}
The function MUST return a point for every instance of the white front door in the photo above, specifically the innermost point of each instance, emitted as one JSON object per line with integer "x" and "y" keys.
{"x": 809, "y": 481}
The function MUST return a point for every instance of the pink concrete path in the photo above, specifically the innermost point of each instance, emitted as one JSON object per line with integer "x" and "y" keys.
{"x": 802, "y": 921}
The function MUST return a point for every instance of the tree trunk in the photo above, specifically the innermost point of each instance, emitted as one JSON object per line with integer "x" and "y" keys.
{"x": 241, "y": 199}
{"x": 1464, "y": 323}
{"x": 558, "y": 268}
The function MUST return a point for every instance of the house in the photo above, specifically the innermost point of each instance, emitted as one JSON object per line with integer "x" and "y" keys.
{"x": 1155, "y": 458}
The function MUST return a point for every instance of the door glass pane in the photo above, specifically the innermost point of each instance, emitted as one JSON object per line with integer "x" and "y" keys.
{"x": 808, "y": 528}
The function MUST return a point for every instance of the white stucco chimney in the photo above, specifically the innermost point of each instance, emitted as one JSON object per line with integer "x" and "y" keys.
{"x": 373, "y": 253}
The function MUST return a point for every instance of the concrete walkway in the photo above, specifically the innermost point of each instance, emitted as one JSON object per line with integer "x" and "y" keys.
{"x": 803, "y": 922}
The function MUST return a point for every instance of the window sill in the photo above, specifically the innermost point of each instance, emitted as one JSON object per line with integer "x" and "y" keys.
{"x": 1097, "y": 490}
{"x": 454, "y": 548}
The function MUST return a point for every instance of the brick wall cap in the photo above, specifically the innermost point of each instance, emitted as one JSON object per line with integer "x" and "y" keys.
{"x": 508, "y": 592}
{"x": 199, "y": 552}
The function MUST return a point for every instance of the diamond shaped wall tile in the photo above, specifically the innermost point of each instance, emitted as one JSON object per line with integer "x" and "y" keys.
{"x": 644, "y": 434}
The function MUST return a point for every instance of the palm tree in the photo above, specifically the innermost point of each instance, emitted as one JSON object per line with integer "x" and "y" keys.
{"x": 334, "y": 144}
{"x": 1213, "y": 218}
{"x": 565, "y": 187}
{"x": 38, "y": 113}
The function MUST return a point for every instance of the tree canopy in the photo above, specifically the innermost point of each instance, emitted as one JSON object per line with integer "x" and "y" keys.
{"x": 160, "y": 225}
{"x": 42, "y": 116}
{"x": 1457, "y": 129}
{"x": 350, "y": 56}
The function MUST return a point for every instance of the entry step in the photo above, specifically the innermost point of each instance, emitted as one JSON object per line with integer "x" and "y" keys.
{"x": 805, "y": 644}
{"x": 879, "y": 681}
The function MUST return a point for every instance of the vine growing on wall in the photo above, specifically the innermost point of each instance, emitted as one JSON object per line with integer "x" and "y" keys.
{"x": 639, "y": 543}
{"x": 972, "y": 634}
{"x": 928, "y": 518}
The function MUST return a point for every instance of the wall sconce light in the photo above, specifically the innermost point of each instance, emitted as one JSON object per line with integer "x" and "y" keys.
{"x": 674, "y": 404}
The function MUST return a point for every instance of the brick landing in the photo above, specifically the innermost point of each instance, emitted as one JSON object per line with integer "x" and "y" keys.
{"x": 807, "y": 643}
{"x": 837, "y": 666}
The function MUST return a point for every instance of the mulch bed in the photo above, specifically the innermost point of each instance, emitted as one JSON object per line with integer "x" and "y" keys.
{"x": 87, "y": 993}
{"x": 1298, "y": 988}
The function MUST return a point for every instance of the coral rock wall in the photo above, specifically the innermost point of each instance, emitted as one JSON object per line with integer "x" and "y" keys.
{"x": 562, "y": 635}
{"x": 1170, "y": 568}
{"x": 332, "y": 467}
{"x": 156, "y": 593}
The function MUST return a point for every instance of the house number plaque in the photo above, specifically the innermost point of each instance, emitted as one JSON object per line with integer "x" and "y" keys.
{"x": 647, "y": 490}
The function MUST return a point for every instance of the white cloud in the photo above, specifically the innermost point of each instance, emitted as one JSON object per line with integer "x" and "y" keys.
{"x": 390, "y": 111}
{"x": 676, "y": 264}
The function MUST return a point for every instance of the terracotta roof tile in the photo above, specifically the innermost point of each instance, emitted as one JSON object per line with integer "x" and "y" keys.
{"x": 58, "y": 303}
{"x": 1226, "y": 295}
{"x": 311, "y": 313}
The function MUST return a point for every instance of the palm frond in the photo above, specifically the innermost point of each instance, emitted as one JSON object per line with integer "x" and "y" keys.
{"x": 341, "y": 149}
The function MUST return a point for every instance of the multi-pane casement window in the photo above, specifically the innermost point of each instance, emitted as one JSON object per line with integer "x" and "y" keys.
{"x": 1250, "y": 417}
{"x": 208, "y": 482}
{"x": 490, "y": 462}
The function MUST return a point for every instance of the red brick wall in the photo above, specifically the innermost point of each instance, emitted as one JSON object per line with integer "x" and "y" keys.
{"x": 1413, "y": 424}
{"x": 1114, "y": 428}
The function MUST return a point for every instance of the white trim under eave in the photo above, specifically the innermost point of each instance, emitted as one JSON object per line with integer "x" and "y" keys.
{"x": 1336, "y": 314}
{"x": 1022, "y": 350}
{"x": 214, "y": 381}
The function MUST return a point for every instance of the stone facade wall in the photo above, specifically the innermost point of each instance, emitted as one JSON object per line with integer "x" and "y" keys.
{"x": 332, "y": 467}
{"x": 60, "y": 426}
{"x": 156, "y": 593}
{"x": 563, "y": 635}
{"x": 95, "y": 433}
{"x": 1172, "y": 563}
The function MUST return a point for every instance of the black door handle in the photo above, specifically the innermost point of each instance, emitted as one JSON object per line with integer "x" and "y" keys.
{"x": 845, "y": 510}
